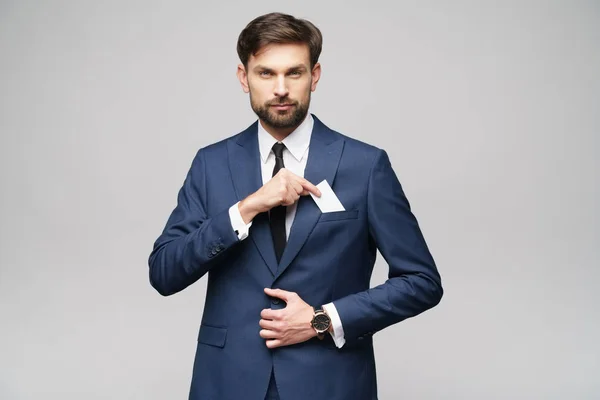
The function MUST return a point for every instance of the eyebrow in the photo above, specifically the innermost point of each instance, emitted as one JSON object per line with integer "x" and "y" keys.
{"x": 298, "y": 67}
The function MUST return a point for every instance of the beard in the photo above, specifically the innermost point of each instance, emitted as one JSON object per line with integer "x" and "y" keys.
{"x": 281, "y": 119}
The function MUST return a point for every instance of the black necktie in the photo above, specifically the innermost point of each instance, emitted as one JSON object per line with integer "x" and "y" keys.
{"x": 277, "y": 214}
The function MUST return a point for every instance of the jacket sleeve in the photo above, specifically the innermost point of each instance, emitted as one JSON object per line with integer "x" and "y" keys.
{"x": 192, "y": 242}
{"x": 414, "y": 284}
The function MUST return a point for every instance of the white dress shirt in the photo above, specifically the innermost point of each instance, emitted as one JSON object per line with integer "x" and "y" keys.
{"x": 295, "y": 156}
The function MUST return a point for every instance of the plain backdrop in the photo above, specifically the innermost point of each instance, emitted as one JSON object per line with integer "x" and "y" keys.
{"x": 489, "y": 110}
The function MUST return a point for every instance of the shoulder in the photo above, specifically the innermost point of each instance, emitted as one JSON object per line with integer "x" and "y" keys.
{"x": 354, "y": 144}
{"x": 219, "y": 149}
{"x": 357, "y": 149}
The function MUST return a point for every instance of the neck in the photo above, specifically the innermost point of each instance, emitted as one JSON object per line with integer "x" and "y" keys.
{"x": 278, "y": 133}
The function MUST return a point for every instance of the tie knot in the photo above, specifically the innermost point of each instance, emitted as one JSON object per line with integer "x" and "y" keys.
{"x": 278, "y": 149}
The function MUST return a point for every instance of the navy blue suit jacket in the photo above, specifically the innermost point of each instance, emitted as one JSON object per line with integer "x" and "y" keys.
{"x": 329, "y": 257}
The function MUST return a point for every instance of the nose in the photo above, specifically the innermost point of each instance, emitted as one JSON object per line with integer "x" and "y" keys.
{"x": 280, "y": 87}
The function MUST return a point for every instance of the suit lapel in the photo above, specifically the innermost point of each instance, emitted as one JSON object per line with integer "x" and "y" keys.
{"x": 245, "y": 170}
{"x": 323, "y": 158}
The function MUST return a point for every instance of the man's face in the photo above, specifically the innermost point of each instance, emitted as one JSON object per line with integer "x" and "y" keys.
{"x": 279, "y": 80}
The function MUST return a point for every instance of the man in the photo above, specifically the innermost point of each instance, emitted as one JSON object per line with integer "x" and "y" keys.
{"x": 288, "y": 312}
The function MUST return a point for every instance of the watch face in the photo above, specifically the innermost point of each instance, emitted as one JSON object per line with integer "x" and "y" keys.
{"x": 321, "y": 322}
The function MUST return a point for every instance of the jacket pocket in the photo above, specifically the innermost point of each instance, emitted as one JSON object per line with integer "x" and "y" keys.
{"x": 338, "y": 215}
{"x": 212, "y": 335}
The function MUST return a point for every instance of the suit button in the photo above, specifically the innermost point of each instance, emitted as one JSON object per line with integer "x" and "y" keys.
{"x": 275, "y": 300}
{"x": 213, "y": 252}
{"x": 360, "y": 338}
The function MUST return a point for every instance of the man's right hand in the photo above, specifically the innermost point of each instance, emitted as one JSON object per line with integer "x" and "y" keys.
{"x": 285, "y": 188}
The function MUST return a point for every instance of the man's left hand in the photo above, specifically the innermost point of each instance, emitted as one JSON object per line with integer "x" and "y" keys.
{"x": 289, "y": 325}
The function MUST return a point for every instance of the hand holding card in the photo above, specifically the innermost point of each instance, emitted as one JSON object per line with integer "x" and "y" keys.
{"x": 328, "y": 202}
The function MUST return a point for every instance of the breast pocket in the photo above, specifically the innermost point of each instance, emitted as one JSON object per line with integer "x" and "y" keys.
{"x": 338, "y": 215}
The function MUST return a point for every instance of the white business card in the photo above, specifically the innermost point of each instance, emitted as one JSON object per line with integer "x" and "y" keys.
{"x": 328, "y": 202}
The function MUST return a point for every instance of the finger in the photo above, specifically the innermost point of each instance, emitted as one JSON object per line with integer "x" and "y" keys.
{"x": 268, "y": 313}
{"x": 287, "y": 194}
{"x": 292, "y": 193}
{"x": 276, "y": 326}
{"x": 282, "y": 171}
{"x": 283, "y": 192}
{"x": 272, "y": 343}
{"x": 268, "y": 324}
{"x": 297, "y": 187}
{"x": 280, "y": 294}
{"x": 268, "y": 334}
{"x": 309, "y": 187}
{"x": 304, "y": 192}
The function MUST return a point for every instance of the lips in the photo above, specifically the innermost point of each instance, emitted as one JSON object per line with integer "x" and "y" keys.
{"x": 282, "y": 106}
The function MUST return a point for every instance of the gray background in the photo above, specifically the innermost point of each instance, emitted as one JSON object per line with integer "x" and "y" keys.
{"x": 489, "y": 112}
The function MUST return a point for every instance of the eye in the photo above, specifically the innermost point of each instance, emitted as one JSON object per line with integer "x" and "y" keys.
{"x": 295, "y": 73}
{"x": 264, "y": 73}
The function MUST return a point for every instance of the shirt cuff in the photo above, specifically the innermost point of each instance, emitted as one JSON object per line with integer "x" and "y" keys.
{"x": 336, "y": 323}
{"x": 237, "y": 223}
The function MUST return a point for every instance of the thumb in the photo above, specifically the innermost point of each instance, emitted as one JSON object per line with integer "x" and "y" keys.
{"x": 279, "y": 293}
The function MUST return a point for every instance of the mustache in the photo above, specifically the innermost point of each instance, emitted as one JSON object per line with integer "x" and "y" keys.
{"x": 285, "y": 100}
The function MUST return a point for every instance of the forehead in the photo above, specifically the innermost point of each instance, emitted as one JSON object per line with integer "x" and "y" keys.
{"x": 281, "y": 56}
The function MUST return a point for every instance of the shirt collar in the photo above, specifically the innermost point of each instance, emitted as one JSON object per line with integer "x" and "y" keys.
{"x": 296, "y": 142}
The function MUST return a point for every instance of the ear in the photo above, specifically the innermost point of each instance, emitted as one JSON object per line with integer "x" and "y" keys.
{"x": 316, "y": 75}
{"x": 243, "y": 77}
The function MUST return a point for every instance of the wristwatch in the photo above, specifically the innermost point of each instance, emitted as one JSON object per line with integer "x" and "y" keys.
{"x": 320, "y": 322}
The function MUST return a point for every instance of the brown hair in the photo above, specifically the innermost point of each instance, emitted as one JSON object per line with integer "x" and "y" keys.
{"x": 278, "y": 28}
